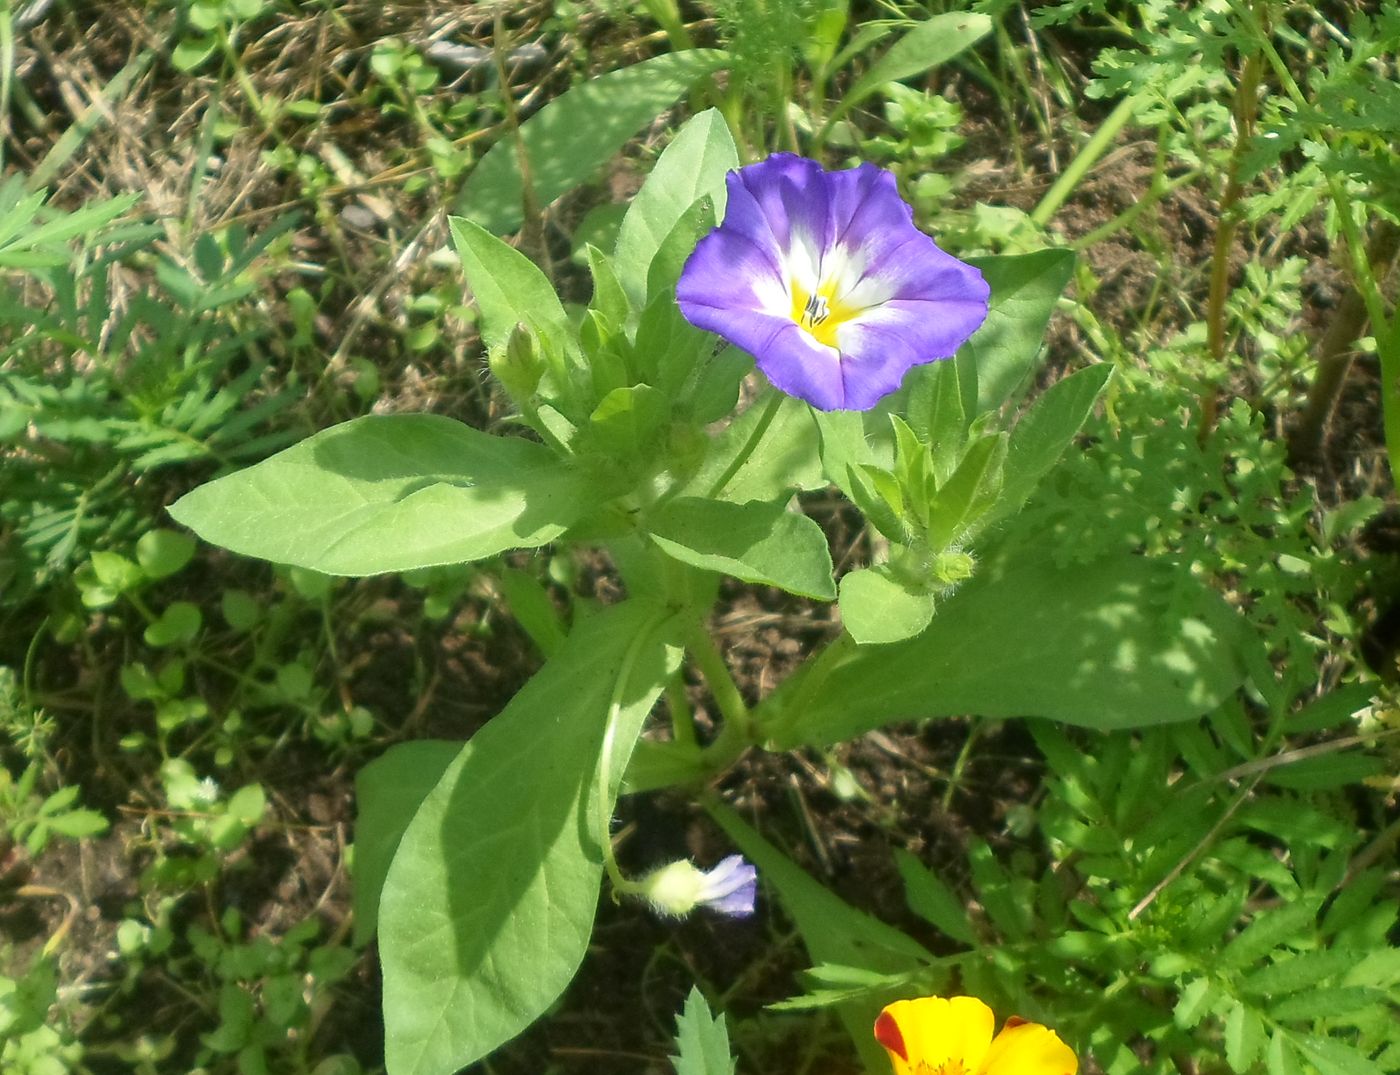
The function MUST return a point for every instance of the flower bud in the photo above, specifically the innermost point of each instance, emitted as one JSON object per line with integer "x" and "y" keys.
{"x": 679, "y": 887}
{"x": 517, "y": 365}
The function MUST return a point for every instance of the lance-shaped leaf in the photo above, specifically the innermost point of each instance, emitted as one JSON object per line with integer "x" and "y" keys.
{"x": 1042, "y": 436}
{"x": 488, "y": 905}
{"x": 510, "y": 289}
{"x": 692, "y": 167}
{"x": 1121, "y": 643}
{"x": 390, "y": 493}
{"x": 997, "y": 362}
{"x": 832, "y": 930}
{"x": 576, "y": 133}
{"x": 926, "y": 45}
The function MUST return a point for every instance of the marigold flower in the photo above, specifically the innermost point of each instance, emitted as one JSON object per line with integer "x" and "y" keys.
{"x": 824, "y": 279}
{"x": 953, "y": 1036}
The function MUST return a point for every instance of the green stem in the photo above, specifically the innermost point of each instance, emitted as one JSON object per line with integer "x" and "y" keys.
{"x": 1085, "y": 159}
{"x": 1158, "y": 189}
{"x": 7, "y": 65}
{"x": 621, "y": 885}
{"x": 668, "y": 16}
{"x": 1125, "y": 218}
{"x": 682, "y": 718}
{"x": 718, "y": 678}
{"x": 782, "y": 98}
{"x": 736, "y": 464}
{"x": 960, "y": 765}
{"x": 1246, "y": 105}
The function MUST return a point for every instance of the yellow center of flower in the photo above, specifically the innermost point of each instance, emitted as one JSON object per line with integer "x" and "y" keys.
{"x": 948, "y": 1067}
{"x": 821, "y": 313}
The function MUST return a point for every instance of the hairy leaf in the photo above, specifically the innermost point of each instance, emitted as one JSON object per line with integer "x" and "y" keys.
{"x": 488, "y": 905}
{"x": 390, "y": 493}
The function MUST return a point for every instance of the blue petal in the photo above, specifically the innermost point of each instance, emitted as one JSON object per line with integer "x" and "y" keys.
{"x": 728, "y": 271}
{"x": 791, "y": 194}
{"x": 731, "y": 887}
{"x": 800, "y": 366}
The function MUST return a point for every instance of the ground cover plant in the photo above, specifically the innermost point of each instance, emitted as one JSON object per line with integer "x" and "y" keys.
{"x": 749, "y": 535}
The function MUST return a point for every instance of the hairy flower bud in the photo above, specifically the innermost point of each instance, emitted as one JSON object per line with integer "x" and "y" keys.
{"x": 679, "y": 887}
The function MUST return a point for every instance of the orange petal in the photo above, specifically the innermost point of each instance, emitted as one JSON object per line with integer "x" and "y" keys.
{"x": 931, "y": 1031}
{"x": 1028, "y": 1049}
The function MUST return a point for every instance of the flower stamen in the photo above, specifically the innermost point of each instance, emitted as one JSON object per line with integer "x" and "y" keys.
{"x": 820, "y": 313}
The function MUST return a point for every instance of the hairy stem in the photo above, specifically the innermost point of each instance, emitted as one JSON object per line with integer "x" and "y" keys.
{"x": 1246, "y": 109}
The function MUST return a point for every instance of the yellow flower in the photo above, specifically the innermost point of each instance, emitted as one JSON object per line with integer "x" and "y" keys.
{"x": 953, "y": 1036}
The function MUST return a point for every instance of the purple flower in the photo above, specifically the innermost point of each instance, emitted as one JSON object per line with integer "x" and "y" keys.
{"x": 824, "y": 279}
{"x": 730, "y": 887}
{"x": 679, "y": 887}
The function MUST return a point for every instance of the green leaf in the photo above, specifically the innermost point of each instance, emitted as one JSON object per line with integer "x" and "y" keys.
{"x": 926, "y": 45}
{"x": 1325, "y": 773}
{"x": 1042, "y": 436}
{"x": 999, "y": 359}
{"x": 832, "y": 931}
{"x": 162, "y": 553}
{"x": 608, "y": 297}
{"x": 877, "y": 608}
{"x": 1244, "y": 1038}
{"x": 190, "y": 52}
{"x": 509, "y": 289}
{"x": 1379, "y": 967}
{"x": 1002, "y": 894}
{"x": 78, "y": 823}
{"x": 626, "y": 422}
{"x": 844, "y": 448}
{"x": 1121, "y": 643}
{"x": 116, "y": 572}
{"x": 785, "y": 459}
{"x": 676, "y": 248}
{"x": 390, "y": 493}
{"x": 488, "y": 905}
{"x": 388, "y": 792}
{"x": 702, "y": 1042}
{"x": 1332, "y": 1057}
{"x": 692, "y": 167}
{"x": 935, "y": 413}
{"x": 1269, "y": 929}
{"x": 880, "y": 498}
{"x": 530, "y": 604}
{"x": 758, "y": 541}
{"x": 1329, "y": 1003}
{"x": 969, "y": 493}
{"x": 177, "y": 624}
{"x": 1193, "y": 1003}
{"x": 1294, "y": 972}
{"x": 931, "y": 899}
{"x": 1281, "y": 1058}
{"x": 248, "y": 804}
{"x": 576, "y": 133}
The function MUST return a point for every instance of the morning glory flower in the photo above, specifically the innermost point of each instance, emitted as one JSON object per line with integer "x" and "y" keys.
{"x": 680, "y": 887}
{"x": 824, "y": 279}
{"x": 953, "y": 1036}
